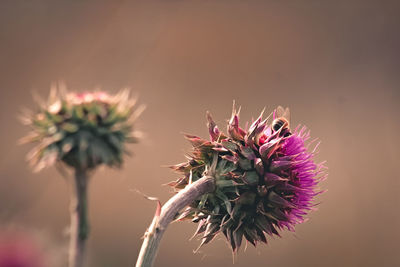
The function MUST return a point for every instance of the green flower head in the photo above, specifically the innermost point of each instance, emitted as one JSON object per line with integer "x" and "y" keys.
{"x": 82, "y": 130}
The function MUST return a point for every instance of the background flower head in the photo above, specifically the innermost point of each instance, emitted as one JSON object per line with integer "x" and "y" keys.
{"x": 266, "y": 179}
{"x": 83, "y": 130}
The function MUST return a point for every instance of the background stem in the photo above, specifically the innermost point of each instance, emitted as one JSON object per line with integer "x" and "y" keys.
{"x": 79, "y": 222}
{"x": 169, "y": 210}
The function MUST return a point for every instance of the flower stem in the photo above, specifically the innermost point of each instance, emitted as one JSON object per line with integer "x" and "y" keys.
{"x": 79, "y": 222}
{"x": 168, "y": 212}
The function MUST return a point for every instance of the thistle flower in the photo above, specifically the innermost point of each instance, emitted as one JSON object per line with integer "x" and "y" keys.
{"x": 83, "y": 130}
{"x": 265, "y": 180}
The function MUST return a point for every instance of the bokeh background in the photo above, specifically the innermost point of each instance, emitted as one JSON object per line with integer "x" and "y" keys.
{"x": 334, "y": 63}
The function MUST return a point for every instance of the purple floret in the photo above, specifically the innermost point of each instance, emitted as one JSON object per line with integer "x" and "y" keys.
{"x": 304, "y": 176}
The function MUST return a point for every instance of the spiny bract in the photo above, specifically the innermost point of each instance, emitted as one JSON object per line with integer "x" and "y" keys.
{"x": 82, "y": 130}
{"x": 265, "y": 181}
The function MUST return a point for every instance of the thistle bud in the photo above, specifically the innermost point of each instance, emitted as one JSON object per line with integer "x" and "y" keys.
{"x": 83, "y": 130}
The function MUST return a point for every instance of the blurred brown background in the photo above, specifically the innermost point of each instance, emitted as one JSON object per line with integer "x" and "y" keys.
{"x": 334, "y": 63}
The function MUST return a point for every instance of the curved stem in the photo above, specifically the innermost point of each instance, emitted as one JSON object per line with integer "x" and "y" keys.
{"x": 169, "y": 210}
{"x": 79, "y": 230}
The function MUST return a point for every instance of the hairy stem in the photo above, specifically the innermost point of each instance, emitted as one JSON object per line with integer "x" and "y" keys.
{"x": 169, "y": 210}
{"x": 79, "y": 230}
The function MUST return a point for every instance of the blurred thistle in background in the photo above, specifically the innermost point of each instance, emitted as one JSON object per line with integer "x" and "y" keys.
{"x": 83, "y": 131}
